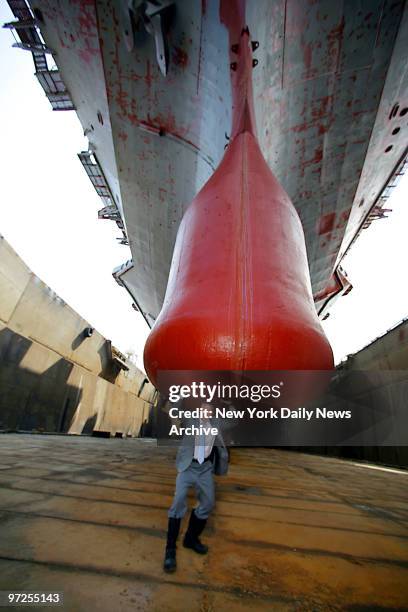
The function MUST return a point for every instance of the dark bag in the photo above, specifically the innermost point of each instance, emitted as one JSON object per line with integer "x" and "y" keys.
{"x": 220, "y": 460}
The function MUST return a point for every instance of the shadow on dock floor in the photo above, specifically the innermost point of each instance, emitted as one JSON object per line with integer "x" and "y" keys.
{"x": 290, "y": 531}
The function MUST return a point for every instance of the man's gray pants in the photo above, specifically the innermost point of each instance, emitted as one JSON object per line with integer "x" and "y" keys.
{"x": 201, "y": 477}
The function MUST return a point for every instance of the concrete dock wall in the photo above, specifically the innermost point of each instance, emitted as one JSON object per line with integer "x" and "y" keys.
{"x": 386, "y": 354}
{"x": 53, "y": 376}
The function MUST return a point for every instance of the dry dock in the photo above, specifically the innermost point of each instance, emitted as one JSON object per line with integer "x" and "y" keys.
{"x": 87, "y": 516}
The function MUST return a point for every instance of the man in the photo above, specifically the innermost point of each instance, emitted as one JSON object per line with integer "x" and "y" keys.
{"x": 197, "y": 459}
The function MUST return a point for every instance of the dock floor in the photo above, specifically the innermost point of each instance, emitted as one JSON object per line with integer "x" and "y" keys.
{"x": 87, "y": 516}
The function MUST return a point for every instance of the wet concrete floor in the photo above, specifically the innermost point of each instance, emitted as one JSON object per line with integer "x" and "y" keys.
{"x": 87, "y": 516}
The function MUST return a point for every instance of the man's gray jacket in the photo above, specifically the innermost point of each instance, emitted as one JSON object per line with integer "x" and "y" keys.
{"x": 185, "y": 452}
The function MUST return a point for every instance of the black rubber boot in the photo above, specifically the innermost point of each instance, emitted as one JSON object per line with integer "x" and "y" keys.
{"x": 191, "y": 539}
{"x": 173, "y": 529}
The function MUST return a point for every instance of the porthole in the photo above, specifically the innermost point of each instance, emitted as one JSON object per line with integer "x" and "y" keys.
{"x": 394, "y": 111}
